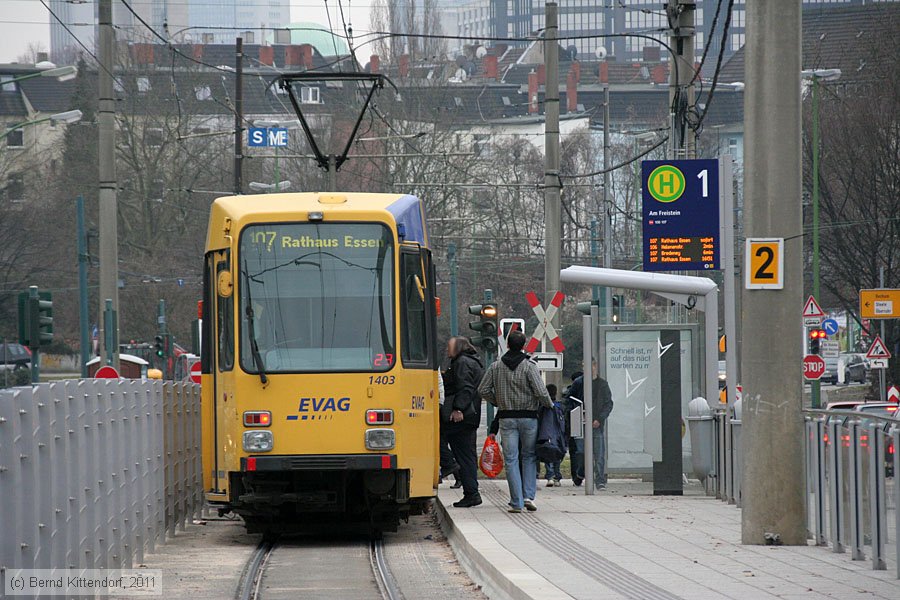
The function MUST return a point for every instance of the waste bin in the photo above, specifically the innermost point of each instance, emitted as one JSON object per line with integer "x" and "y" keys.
{"x": 736, "y": 453}
{"x": 701, "y": 424}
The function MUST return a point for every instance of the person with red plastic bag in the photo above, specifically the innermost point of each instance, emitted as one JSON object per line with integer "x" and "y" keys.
{"x": 461, "y": 414}
{"x": 513, "y": 384}
{"x": 491, "y": 461}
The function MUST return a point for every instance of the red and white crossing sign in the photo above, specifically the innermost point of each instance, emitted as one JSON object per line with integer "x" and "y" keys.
{"x": 878, "y": 349}
{"x": 195, "y": 372}
{"x": 544, "y": 327}
{"x": 813, "y": 366}
{"x": 893, "y": 394}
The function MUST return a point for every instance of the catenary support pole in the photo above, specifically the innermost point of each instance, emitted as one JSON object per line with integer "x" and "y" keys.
{"x": 816, "y": 385}
{"x": 552, "y": 182}
{"x": 83, "y": 311}
{"x": 606, "y": 313}
{"x": 681, "y": 74}
{"x": 454, "y": 307}
{"x": 106, "y": 145}
{"x": 773, "y": 502}
{"x": 238, "y": 116}
{"x": 587, "y": 396}
{"x": 882, "y": 383}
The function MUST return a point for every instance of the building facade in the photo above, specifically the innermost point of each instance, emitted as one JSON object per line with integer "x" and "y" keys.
{"x": 578, "y": 18}
{"x": 180, "y": 21}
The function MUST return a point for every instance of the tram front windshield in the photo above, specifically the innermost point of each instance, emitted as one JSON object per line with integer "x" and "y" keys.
{"x": 321, "y": 297}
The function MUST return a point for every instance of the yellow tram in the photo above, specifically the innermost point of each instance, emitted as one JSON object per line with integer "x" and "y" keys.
{"x": 319, "y": 360}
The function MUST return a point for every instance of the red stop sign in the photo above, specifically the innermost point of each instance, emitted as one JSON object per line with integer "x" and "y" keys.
{"x": 195, "y": 372}
{"x": 106, "y": 372}
{"x": 813, "y": 366}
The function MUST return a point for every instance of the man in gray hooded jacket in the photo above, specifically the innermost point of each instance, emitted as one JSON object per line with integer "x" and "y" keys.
{"x": 513, "y": 384}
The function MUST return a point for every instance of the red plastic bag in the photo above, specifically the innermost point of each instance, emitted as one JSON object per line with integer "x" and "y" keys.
{"x": 491, "y": 460}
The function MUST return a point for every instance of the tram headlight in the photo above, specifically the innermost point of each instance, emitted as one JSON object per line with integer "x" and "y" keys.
{"x": 258, "y": 441}
{"x": 379, "y": 439}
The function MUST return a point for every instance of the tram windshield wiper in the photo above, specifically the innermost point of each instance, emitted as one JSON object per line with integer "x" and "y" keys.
{"x": 251, "y": 330}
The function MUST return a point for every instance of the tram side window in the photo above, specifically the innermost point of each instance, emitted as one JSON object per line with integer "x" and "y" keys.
{"x": 415, "y": 331}
{"x": 225, "y": 318}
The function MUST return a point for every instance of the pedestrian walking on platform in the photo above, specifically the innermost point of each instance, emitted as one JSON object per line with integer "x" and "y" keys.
{"x": 513, "y": 384}
{"x": 462, "y": 407}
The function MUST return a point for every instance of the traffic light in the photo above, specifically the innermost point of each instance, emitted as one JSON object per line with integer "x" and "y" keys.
{"x": 486, "y": 326}
{"x": 815, "y": 338}
{"x": 35, "y": 319}
{"x": 43, "y": 306}
{"x": 160, "y": 346}
{"x": 618, "y": 301}
{"x": 489, "y": 322}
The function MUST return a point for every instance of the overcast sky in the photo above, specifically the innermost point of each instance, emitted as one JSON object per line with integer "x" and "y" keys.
{"x": 25, "y": 21}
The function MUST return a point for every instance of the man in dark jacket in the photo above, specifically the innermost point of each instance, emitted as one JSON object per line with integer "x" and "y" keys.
{"x": 601, "y": 407}
{"x": 463, "y": 404}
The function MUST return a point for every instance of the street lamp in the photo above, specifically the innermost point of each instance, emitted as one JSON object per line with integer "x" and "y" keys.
{"x": 279, "y": 186}
{"x": 67, "y": 118}
{"x": 817, "y": 76}
{"x": 60, "y": 73}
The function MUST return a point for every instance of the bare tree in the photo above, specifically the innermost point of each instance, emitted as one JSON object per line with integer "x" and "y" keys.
{"x": 34, "y": 53}
{"x": 859, "y": 180}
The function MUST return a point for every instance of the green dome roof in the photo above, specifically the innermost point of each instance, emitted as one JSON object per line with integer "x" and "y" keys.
{"x": 325, "y": 42}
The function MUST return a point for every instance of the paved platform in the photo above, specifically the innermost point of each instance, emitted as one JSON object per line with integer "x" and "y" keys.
{"x": 626, "y": 543}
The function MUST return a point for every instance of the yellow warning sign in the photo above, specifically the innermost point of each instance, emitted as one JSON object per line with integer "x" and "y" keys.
{"x": 879, "y": 304}
{"x": 764, "y": 264}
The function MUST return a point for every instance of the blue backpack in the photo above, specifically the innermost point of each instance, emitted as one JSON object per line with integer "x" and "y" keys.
{"x": 551, "y": 438}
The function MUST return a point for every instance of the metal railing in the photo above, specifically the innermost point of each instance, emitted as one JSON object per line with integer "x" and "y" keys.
{"x": 96, "y": 472}
{"x": 852, "y": 486}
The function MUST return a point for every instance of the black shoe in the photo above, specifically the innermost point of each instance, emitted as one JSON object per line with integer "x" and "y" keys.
{"x": 577, "y": 481}
{"x": 456, "y": 485}
{"x": 469, "y": 501}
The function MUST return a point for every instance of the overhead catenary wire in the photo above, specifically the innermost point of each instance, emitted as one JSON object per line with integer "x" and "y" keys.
{"x": 712, "y": 89}
{"x": 168, "y": 43}
{"x": 80, "y": 43}
{"x": 619, "y": 165}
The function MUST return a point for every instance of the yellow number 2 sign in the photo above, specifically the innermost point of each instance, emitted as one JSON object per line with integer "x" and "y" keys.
{"x": 764, "y": 264}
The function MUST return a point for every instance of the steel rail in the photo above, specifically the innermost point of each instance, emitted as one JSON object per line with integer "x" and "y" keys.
{"x": 248, "y": 587}
{"x": 383, "y": 577}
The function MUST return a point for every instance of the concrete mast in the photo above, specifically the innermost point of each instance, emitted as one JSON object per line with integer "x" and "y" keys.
{"x": 773, "y": 498}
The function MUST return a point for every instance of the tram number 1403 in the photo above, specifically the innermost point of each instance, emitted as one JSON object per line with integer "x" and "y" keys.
{"x": 381, "y": 379}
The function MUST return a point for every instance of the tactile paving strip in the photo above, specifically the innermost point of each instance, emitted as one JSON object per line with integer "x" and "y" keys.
{"x": 589, "y": 562}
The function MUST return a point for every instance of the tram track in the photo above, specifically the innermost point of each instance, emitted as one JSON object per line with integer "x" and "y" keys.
{"x": 275, "y": 570}
{"x": 248, "y": 586}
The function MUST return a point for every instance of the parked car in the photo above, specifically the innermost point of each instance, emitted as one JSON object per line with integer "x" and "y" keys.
{"x": 853, "y": 367}
{"x": 15, "y": 356}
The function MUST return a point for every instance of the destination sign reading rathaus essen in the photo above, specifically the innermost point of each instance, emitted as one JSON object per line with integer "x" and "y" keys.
{"x": 681, "y": 215}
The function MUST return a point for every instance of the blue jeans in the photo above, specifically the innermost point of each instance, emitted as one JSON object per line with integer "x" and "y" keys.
{"x": 519, "y": 435}
{"x": 551, "y": 470}
{"x": 576, "y": 459}
{"x": 599, "y": 457}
